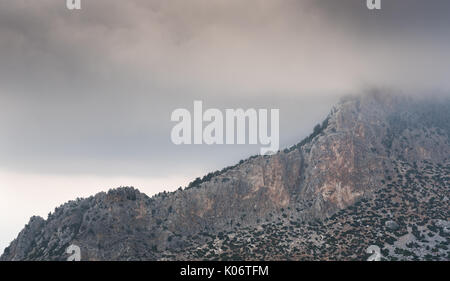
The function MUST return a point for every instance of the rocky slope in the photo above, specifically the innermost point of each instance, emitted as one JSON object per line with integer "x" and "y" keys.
{"x": 375, "y": 172}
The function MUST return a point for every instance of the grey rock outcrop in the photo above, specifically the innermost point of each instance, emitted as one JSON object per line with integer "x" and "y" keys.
{"x": 392, "y": 225}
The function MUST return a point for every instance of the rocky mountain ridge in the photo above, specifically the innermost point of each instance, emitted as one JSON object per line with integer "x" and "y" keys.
{"x": 295, "y": 204}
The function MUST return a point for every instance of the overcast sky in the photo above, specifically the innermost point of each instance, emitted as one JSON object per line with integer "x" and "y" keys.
{"x": 86, "y": 96}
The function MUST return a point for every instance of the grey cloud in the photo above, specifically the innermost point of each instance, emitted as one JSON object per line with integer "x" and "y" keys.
{"x": 91, "y": 91}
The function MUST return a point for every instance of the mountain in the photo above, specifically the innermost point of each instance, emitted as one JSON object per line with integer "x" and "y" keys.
{"x": 374, "y": 173}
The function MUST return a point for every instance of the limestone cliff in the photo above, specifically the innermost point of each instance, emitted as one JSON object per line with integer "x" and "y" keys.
{"x": 353, "y": 155}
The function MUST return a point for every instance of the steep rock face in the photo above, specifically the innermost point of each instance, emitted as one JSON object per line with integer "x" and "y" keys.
{"x": 407, "y": 219}
{"x": 351, "y": 157}
{"x": 346, "y": 159}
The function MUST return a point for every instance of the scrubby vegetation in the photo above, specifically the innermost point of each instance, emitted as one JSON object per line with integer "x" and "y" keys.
{"x": 407, "y": 218}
